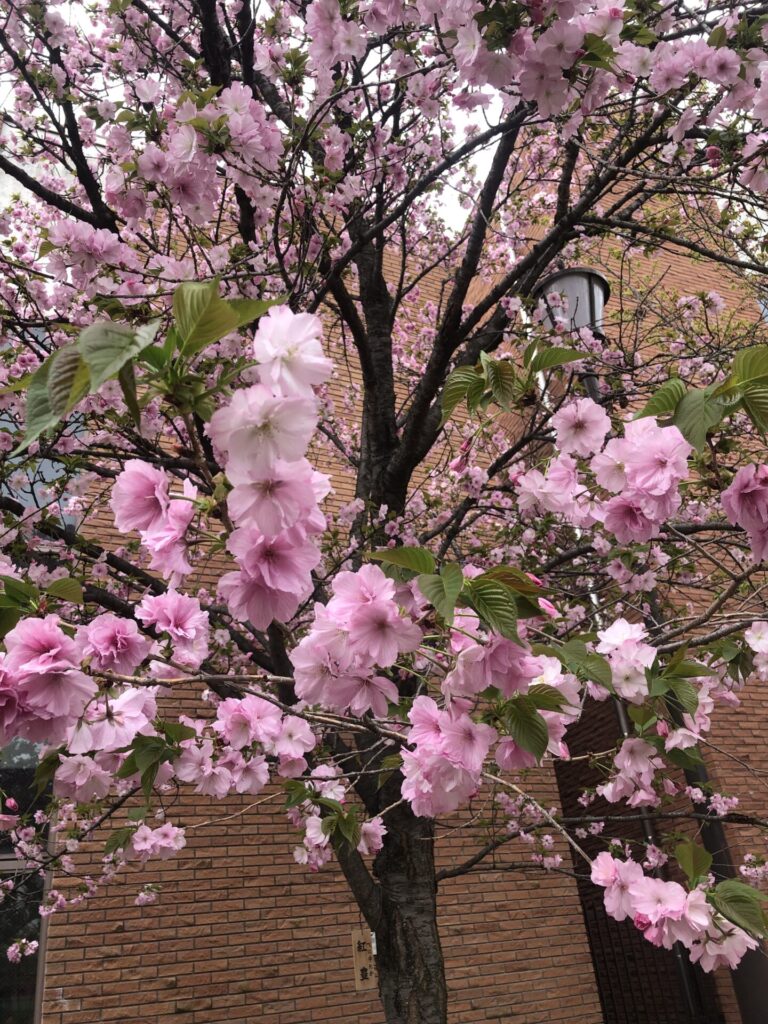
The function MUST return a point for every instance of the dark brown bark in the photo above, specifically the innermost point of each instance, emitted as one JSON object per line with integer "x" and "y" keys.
{"x": 409, "y": 956}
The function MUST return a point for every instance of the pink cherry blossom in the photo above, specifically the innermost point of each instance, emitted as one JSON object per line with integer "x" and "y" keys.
{"x": 242, "y": 721}
{"x": 295, "y": 738}
{"x": 362, "y": 693}
{"x": 381, "y": 634}
{"x": 656, "y": 458}
{"x": 625, "y": 517}
{"x": 165, "y": 539}
{"x": 372, "y": 834}
{"x": 745, "y": 503}
{"x": 44, "y": 661}
{"x": 112, "y": 722}
{"x": 162, "y": 842}
{"x": 511, "y": 757}
{"x": 580, "y": 427}
{"x": 139, "y": 496}
{"x": 258, "y": 427}
{"x": 249, "y": 599}
{"x": 656, "y": 899}
{"x": 113, "y": 644}
{"x": 250, "y": 776}
{"x": 182, "y": 618}
{"x": 288, "y": 348}
{"x": 282, "y": 562}
{"x": 618, "y": 899}
{"x": 196, "y": 765}
{"x": 466, "y": 742}
{"x": 81, "y": 779}
{"x": 273, "y": 500}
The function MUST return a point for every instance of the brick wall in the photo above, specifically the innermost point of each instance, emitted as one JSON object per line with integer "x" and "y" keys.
{"x": 242, "y": 935}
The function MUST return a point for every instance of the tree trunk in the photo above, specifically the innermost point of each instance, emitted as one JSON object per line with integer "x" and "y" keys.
{"x": 409, "y": 957}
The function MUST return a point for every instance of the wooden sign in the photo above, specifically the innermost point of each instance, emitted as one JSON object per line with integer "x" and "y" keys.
{"x": 364, "y": 957}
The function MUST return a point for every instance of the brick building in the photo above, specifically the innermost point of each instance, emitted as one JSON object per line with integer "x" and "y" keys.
{"x": 241, "y": 935}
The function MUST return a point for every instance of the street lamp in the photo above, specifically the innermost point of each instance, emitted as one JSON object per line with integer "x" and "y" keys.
{"x": 585, "y": 292}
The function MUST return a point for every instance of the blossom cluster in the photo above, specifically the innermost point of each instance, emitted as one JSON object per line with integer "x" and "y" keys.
{"x": 361, "y": 630}
{"x": 666, "y": 913}
{"x": 643, "y": 469}
{"x": 263, "y": 434}
{"x": 141, "y": 501}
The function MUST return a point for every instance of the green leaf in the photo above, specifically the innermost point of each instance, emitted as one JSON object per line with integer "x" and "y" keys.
{"x": 146, "y": 755}
{"x": 18, "y": 385}
{"x": 694, "y": 860}
{"x": 597, "y": 669}
{"x": 754, "y": 400}
{"x": 149, "y": 750}
{"x": 495, "y": 604}
{"x": 19, "y": 593}
{"x": 718, "y": 37}
{"x": 546, "y": 698}
{"x": 201, "y": 315}
{"x": 641, "y": 715}
{"x": 388, "y": 765}
{"x": 296, "y": 793}
{"x": 750, "y": 366}
{"x": 584, "y": 663}
{"x": 177, "y": 731}
{"x": 8, "y": 619}
{"x": 54, "y": 390}
{"x": 688, "y": 669}
{"x": 249, "y": 310}
{"x": 67, "y": 380}
{"x": 66, "y": 589}
{"x": 39, "y": 416}
{"x": 442, "y": 590}
{"x": 573, "y": 654}
{"x": 548, "y": 358}
{"x": 128, "y": 767}
{"x": 106, "y": 347}
{"x": 155, "y": 356}
{"x": 742, "y": 905}
{"x": 688, "y": 758}
{"x": 453, "y": 581}
{"x": 476, "y": 395}
{"x": 391, "y": 763}
{"x": 665, "y": 400}
{"x": 456, "y": 387}
{"x": 349, "y": 827}
{"x": 118, "y": 839}
{"x": 686, "y": 693}
{"x": 501, "y": 378}
{"x": 515, "y": 579}
{"x": 148, "y": 777}
{"x": 599, "y": 52}
{"x": 526, "y": 726}
{"x": 696, "y": 414}
{"x": 127, "y": 379}
{"x": 416, "y": 559}
{"x": 333, "y": 805}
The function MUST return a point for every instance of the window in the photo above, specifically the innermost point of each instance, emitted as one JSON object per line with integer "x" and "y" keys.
{"x": 20, "y": 911}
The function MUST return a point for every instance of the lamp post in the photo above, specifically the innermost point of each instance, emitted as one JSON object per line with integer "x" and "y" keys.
{"x": 585, "y": 292}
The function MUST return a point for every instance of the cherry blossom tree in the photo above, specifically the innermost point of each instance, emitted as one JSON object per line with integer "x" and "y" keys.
{"x": 220, "y": 207}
